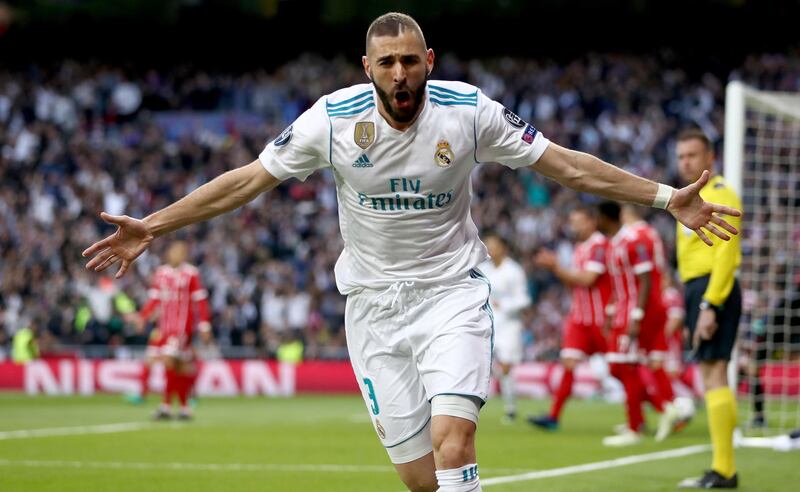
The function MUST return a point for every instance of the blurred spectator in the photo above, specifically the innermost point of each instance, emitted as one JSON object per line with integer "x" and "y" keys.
{"x": 25, "y": 344}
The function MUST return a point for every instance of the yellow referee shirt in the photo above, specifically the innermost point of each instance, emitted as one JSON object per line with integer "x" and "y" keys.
{"x": 696, "y": 259}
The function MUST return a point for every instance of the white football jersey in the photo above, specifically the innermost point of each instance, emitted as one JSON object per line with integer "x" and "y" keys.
{"x": 404, "y": 196}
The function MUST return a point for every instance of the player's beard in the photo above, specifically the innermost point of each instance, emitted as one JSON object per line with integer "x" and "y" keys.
{"x": 404, "y": 115}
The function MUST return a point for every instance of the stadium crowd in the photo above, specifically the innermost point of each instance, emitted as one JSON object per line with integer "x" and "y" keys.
{"x": 84, "y": 137}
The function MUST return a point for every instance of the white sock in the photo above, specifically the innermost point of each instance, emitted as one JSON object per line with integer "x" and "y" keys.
{"x": 507, "y": 390}
{"x": 464, "y": 479}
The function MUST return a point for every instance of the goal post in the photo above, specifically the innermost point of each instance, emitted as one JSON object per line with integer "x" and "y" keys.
{"x": 762, "y": 163}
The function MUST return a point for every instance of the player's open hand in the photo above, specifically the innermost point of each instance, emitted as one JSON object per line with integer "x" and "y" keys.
{"x": 130, "y": 240}
{"x": 691, "y": 210}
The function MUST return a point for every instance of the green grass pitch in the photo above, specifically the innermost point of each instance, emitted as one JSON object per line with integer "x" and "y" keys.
{"x": 325, "y": 443}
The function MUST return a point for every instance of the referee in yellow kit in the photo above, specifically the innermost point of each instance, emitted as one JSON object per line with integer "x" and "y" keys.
{"x": 713, "y": 307}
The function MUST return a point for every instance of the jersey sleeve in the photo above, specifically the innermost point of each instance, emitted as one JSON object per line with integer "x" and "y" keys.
{"x": 502, "y": 136}
{"x": 153, "y": 298}
{"x": 199, "y": 296}
{"x": 640, "y": 256}
{"x": 727, "y": 254}
{"x": 674, "y": 306}
{"x": 597, "y": 259}
{"x": 301, "y": 148}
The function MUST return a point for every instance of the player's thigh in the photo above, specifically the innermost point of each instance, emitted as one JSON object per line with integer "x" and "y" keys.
{"x": 576, "y": 343}
{"x": 508, "y": 349}
{"x": 621, "y": 348}
{"x": 652, "y": 339}
{"x": 453, "y": 339}
{"x": 388, "y": 379}
{"x": 581, "y": 341}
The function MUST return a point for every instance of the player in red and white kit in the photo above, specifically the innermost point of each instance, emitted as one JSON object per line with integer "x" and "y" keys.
{"x": 591, "y": 291}
{"x": 637, "y": 326}
{"x": 178, "y": 298}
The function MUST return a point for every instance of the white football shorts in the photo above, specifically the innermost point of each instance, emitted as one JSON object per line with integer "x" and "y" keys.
{"x": 409, "y": 343}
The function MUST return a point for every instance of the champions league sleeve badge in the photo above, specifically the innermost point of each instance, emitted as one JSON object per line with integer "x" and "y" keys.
{"x": 284, "y": 137}
{"x": 364, "y": 134}
{"x": 444, "y": 154}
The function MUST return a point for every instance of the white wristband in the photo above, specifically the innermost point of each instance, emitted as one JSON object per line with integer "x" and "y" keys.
{"x": 663, "y": 196}
{"x": 637, "y": 314}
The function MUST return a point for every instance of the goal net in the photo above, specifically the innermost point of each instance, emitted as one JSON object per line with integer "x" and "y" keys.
{"x": 762, "y": 162}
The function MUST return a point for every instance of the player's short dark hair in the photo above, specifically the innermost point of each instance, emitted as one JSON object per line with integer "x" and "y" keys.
{"x": 695, "y": 134}
{"x": 609, "y": 210}
{"x": 394, "y": 24}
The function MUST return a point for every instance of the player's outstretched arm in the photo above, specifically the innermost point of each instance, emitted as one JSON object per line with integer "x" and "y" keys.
{"x": 586, "y": 173}
{"x": 222, "y": 194}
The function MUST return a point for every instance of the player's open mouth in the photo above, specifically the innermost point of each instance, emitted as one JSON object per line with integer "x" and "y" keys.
{"x": 402, "y": 99}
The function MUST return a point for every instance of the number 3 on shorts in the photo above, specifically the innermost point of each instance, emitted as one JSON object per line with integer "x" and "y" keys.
{"x": 372, "y": 397}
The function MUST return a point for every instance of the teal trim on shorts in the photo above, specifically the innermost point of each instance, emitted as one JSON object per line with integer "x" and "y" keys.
{"x": 477, "y": 274}
{"x": 412, "y": 436}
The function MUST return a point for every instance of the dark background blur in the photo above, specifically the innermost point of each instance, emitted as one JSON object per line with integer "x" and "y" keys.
{"x": 708, "y": 35}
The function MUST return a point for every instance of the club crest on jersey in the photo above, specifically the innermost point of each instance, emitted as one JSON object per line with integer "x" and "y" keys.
{"x": 284, "y": 137}
{"x": 380, "y": 429}
{"x": 364, "y": 134}
{"x": 513, "y": 119}
{"x": 444, "y": 154}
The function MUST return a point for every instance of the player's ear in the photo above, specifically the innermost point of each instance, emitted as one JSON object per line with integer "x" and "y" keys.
{"x": 365, "y": 63}
{"x": 429, "y": 57}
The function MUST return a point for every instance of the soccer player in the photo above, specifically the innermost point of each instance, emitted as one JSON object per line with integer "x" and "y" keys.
{"x": 638, "y": 321}
{"x": 713, "y": 309}
{"x": 180, "y": 301}
{"x": 509, "y": 297}
{"x": 418, "y": 320}
{"x": 591, "y": 292}
{"x": 649, "y": 273}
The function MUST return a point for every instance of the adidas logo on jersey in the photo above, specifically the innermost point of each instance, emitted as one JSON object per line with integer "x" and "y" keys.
{"x": 362, "y": 161}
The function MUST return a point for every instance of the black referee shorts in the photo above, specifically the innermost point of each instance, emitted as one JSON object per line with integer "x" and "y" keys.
{"x": 721, "y": 344}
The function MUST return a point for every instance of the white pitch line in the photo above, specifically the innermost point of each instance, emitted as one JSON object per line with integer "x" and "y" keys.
{"x": 288, "y": 467}
{"x": 329, "y": 468}
{"x": 598, "y": 465}
{"x": 74, "y": 431}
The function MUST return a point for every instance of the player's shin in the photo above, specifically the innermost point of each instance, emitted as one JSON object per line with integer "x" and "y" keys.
{"x": 563, "y": 393}
{"x": 507, "y": 390}
{"x": 664, "y": 384}
{"x": 144, "y": 381}
{"x": 629, "y": 376}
